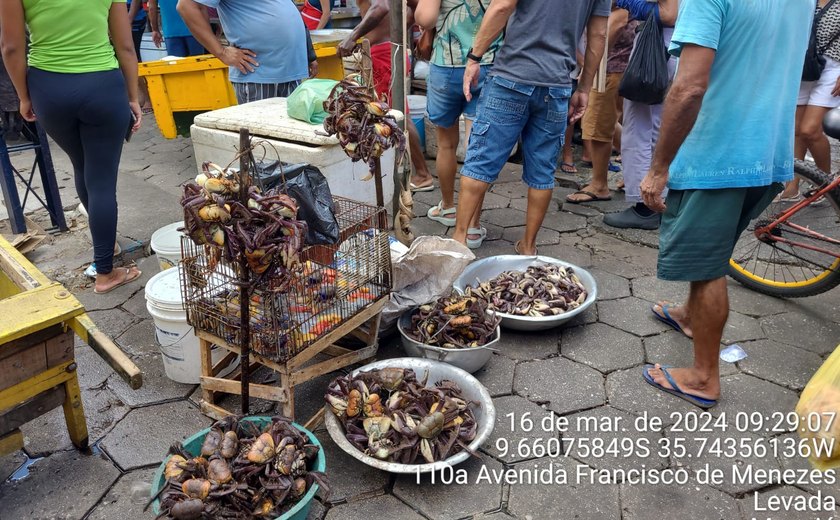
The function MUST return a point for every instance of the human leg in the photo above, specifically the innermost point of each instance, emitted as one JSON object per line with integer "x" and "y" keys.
{"x": 421, "y": 170}
{"x": 446, "y": 163}
{"x": 810, "y": 130}
{"x": 800, "y": 145}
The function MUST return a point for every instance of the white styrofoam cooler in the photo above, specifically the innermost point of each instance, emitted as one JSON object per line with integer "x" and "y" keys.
{"x": 215, "y": 137}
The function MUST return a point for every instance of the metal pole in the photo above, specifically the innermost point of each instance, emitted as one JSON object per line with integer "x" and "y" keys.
{"x": 398, "y": 54}
{"x": 244, "y": 278}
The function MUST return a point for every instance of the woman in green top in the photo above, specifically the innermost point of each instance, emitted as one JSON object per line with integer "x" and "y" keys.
{"x": 81, "y": 86}
{"x": 456, "y": 23}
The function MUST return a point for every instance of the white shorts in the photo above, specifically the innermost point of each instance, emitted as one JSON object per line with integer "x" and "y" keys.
{"x": 818, "y": 93}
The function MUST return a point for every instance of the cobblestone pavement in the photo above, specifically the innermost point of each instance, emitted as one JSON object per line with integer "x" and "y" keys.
{"x": 590, "y": 370}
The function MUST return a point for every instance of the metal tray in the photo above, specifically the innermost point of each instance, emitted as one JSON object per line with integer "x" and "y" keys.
{"x": 485, "y": 413}
{"x": 488, "y": 268}
{"x": 469, "y": 359}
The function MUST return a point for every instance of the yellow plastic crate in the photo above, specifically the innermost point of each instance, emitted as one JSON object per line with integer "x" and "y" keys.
{"x": 195, "y": 84}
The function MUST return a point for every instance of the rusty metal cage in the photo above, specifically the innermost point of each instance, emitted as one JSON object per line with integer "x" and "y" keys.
{"x": 329, "y": 285}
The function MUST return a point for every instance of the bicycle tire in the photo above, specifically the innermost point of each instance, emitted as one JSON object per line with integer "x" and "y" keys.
{"x": 825, "y": 281}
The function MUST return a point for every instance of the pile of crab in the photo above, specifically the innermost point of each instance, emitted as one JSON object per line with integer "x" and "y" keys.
{"x": 240, "y": 473}
{"x": 390, "y": 415}
{"x": 454, "y": 321}
{"x": 361, "y": 121}
{"x": 264, "y": 228}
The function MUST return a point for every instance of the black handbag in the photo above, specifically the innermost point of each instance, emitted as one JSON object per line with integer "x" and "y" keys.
{"x": 814, "y": 60}
{"x": 646, "y": 79}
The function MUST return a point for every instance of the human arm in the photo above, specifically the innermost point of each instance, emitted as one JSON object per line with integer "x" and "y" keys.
{"x": 427, "y": 13}
{"x": 119, "y": 26}
{"x": 198, "y": 23}
{"x": 377, "y": 12}
{"x": 618, "y": 20}
{"x": 326, "y": 10}
{"x": 678, "y": 117}
{"x": 495, "y": 20}
{"x": 640, "y": 10}
{"x": 311, "y": 57}
{"x": 134, "y": 9}
{"x": 596, "y": 42}
{"x": 13, "y": 48}
{"x": 154, "y": 22}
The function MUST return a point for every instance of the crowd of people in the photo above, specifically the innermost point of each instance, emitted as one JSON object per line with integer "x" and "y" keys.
{"x": 699, "y": 166}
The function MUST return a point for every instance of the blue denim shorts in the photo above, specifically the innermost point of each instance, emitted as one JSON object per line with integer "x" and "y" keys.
{"x": 507, "y": 110}
{"x": 445, "y": 101}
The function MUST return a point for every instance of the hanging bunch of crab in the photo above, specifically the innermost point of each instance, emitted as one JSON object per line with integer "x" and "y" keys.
{"x": 361, "y": 121}
{"x": 264, "y": 227}
{"x": 241, "y": 472}
{"x": 390, "y": 415}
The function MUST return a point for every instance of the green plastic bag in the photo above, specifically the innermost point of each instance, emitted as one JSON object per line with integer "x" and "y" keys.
{"x": 307, "y": 101}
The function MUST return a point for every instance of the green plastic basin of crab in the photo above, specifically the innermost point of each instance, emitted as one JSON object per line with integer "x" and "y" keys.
{"x": 192, "y": 444}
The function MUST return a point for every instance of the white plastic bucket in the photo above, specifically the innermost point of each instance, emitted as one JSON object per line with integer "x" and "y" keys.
{"x": 174, "y": 336}
{"x": 166, "y": 243}
{"x": 417, "y": 111}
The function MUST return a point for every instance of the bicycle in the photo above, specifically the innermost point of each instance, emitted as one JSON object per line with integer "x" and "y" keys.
{"x": 792, "y": 249}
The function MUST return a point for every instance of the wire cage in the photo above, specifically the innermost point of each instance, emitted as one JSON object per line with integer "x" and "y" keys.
{"x": 328, "y": 286}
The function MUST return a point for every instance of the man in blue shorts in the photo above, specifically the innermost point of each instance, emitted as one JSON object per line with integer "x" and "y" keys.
{"x": 527, "y": 94}
{"x": 167, "y": 25}
{"x": 724, "y": 151}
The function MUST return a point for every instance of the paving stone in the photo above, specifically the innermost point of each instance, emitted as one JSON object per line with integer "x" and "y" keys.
{"x": 511, "y": 190}
{"x": 497, "y": 375}
{"x": 427, "y": 197}
{"x": 113, "y": 322}
{"x": 628, "y": 391}
{"x": 529, "y": 345}
{"x": 564, "y": 385}
{"x": 545, "y": 236}
{"x": 162, "y": 207}
{"x": 156, "y": 386}
{"x": 453, "y": 501}
{"x": 801, "y": 464}
{"x": 827, "y": 302}
{"x": 62, "y": 486}
{"x": 422, "y": 226}
{"x": 630, "y": 314}
{"x": 654, "y": 290}
{"x": 98, "y": 302}
{"x": 577, "y": 209}
{"x": 612, "y": 249}
{"x": 10, "y": 462}
{"x": 495, "y": 201}
{"x": 744, "y": 393}
{"x": 581, "y": 501}
{"x": 752, "y": 303}
{"x": 602, "y": 347}
{"x": 674, "y": 501}
{"x": 610, "y": 286}
{"x": 145, "y": 434}
{"x": 802, "y": 331}
{"x": 674, "y": 349}
{"x": 563, "y": 222}
{"x": 349, "y": 478}
{"x": 309, "y": 396}
{"x": 649, "y": 238}
{"x": 587, "y": 317}
{"x": 385, "y": 506}
{"x": 317, "y": 511}
{"x": 127, "y": 498}
{"x": 493, "y": 232}
{"x": 568, "y": 253}
{"x": 518, "y": 406}
{"x": 139, "y": 338}
{"x": 621, "y": 267}
{"x": 612, "y": 426}
{"x": 749, "y": 510}
{"x": 494, "y": 248}
{"x": 505, "y": 217}
{"x": 779, "y": 363}
{"x": 741, "y": 328}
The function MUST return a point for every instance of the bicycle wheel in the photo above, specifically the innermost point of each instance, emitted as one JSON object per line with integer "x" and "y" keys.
{"x": 793, "y": 271}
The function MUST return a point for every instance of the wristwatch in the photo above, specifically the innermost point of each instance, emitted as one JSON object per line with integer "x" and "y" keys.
{"x": 471, "y": 56}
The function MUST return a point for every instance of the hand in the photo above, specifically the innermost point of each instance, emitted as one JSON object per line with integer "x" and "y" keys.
{"x": 836, "y": 91}
{"x": 26, "y": 110}
{"x": 577, "y": 105}
{"x": 347, "y": 46}
{"x": 313, "y": 69}
{"x": 157, "y": 38}
{"x": 242, "y": 59}
{"x": 471, "y": 74}
{"x": 138, "y": 115}
{"x": 652, "y": 187}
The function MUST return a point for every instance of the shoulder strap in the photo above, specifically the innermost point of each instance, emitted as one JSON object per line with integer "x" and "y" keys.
{"x": 822, "y": 11}
{"x": 817, "y": 18}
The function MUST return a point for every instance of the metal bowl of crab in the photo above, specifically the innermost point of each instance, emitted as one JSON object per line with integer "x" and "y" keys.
{"x": 558, "y": 296}
{"x": 470, "y": 359}
{"x": 472, "y": 391}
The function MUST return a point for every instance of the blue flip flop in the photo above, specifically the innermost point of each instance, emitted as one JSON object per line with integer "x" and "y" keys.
{"x": 667, "y": 319}
{"x": 675, "y": 389}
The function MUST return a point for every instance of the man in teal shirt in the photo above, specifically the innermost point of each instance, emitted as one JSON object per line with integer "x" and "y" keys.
{"x": 167, "y": 25}
{"x": 725, "y": 148}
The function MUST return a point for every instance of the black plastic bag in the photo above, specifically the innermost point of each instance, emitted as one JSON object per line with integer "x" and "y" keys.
{"x": 308, "y": 186}
{"x": 646, "y": 77}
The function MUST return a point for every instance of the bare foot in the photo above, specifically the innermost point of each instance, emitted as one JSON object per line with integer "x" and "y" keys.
{"x": 119, "y": 276}
{"x": 591, "y": 188}
{"x": 678, "y": 313}
{"x": 689, "y": 380}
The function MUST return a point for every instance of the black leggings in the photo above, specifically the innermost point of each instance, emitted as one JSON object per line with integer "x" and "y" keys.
{"x": 88, "y": 116}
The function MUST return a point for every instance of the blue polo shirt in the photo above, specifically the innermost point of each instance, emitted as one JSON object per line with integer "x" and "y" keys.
{"x": 273, "y": 29}
{"x": 173, "y": 25}
{"x": 744, "y": 134}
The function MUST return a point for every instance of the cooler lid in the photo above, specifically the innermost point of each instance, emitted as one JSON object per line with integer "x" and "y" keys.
{"x": 266, "y": 118}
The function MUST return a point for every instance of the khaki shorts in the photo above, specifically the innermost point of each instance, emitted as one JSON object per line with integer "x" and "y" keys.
{"x": 602, "y": 113}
